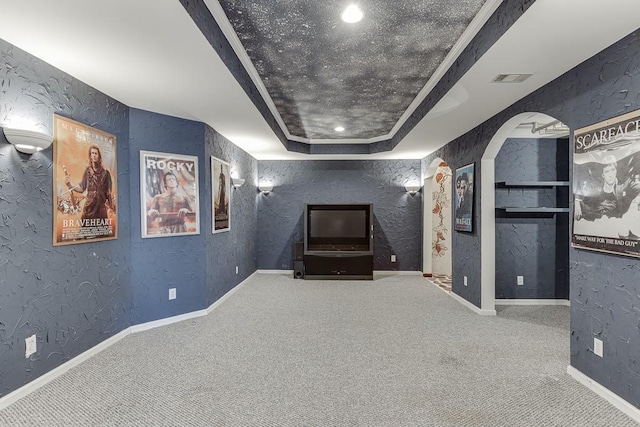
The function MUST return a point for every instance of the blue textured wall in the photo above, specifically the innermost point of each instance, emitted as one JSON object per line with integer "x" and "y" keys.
{"x": 72, "y": 297}
{"x": 166, "y": 262}
{"x": 604, "y": 289}
{"x": 526, "y": 244}
{"x": 397, "y": 215}
{"x": 238, "y": 246}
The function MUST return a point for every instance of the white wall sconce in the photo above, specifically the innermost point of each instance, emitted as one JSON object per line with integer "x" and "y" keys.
{"x": 27, "y": 141}
{"x": 237, "y": 182}
{"x": 412, "y": 189}
{"x": 265, "y": 188}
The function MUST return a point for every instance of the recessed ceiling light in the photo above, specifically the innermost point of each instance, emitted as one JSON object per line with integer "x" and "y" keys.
{"x": 352, "y": 14}
{"x": 339, "y": 129}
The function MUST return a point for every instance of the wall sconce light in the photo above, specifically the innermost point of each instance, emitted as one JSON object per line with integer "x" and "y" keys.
{"x": 237, "y": 182}
{"x": 412, "y": 189}
{"x": 265, "y": 188}
{"x": 27, "y": 141}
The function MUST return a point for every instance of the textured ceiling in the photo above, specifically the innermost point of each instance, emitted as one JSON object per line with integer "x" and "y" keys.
{"x": 322, "y": 73}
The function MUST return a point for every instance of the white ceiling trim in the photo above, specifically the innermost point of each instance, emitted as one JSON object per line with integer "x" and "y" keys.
{"x": 469, "y": 33}
{"x": 226, "y": 27}
{"x": 467, "y": 36}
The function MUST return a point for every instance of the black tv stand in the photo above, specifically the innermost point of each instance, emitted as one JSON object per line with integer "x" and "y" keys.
{"x": 338, "y": 255}
{"x": 338, "y": 266}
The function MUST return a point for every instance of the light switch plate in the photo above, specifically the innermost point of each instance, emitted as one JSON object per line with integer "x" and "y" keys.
{"x": 31, "y": 346}
{"x": 598, "y": 347}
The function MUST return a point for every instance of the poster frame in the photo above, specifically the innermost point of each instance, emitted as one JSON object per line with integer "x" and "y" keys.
{"x": 218, "y": 225}
{"x": 71, "y": 160}
{"x": 172, "y": 162}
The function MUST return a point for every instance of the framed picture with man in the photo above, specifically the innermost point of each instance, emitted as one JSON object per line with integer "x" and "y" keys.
{"x": 463, "y": 212}
{"x": 606, "y": 186}
{"x": 169, "y": 194}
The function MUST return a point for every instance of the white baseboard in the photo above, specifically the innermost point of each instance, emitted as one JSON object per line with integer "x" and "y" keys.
{"x": 228, "y": 294}
{"x": 28, "y": 388}
{"x": 605, "y": 393}
{"x": 167, "y": 321}
{"x": 18, "y": 394}
{"x": 275, "y": 272}
{"x": 471, "y": 306}
{"x": 563, "y": 302}
{"x": 396, "y": 273}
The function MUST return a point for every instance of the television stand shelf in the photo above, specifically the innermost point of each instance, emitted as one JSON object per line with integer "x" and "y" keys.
{"x": 338, "y": 242}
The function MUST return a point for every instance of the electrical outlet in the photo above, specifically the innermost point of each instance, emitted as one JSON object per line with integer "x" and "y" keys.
{"x": 598, "y": 347}
{"x": 465, "y": 280}
{"x": 30, "y": 345}
{"x": 393, "y": 258}
{"x": 172, "y": 293}
{"x": 236, "y": 269}
{"x": 520, "y": 280}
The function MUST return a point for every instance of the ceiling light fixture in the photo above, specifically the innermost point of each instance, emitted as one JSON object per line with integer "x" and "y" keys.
{"x": 352, "y": 14}
{"x": 339, "y": 129}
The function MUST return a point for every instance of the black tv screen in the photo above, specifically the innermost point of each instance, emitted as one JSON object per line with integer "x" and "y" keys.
{"x": 338, "y": 223}
{"x": 338, "y": 228}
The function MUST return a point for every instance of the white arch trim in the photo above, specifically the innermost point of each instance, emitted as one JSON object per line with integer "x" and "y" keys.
{"x": 488, "y": 208}
{"x": 427, "y": 222}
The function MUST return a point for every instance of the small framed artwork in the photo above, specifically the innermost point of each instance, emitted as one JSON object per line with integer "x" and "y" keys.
{"x": 169, "y": 194}
{"x": 464, "y": 199}
{"x": 221, "y": 186}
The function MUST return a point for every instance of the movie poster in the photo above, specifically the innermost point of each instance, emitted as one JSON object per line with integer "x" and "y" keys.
{"x": 85, "y": 184}
{"x": 169, "y": 194}
{"x": 606, "y": 186}
{"x": 221, "y": 186}
{"x": 464, "y": 199}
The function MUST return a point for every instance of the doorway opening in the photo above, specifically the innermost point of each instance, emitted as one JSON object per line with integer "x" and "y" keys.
{"x": 519, "y": 204}
{"x": 437, "y": 245}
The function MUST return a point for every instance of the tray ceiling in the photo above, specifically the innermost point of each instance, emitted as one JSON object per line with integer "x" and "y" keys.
{"x": 322, "y": 73}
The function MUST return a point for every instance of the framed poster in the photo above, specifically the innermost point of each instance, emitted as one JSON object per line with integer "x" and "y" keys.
{"x": 85, "y": 183}
{"x": 169, "y": 194}
{"x": 606, "y": 186}
{"x": 221, "y": 185}
{"x": 464, "y": 199}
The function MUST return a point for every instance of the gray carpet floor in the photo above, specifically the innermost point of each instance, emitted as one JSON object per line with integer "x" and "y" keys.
{"x": 396, "y": 351}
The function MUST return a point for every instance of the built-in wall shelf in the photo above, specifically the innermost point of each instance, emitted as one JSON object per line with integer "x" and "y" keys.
{"x": 533, "y": 210}
{"x": 522, "y": 184}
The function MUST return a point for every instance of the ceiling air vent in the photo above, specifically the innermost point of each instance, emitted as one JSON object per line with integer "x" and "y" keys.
{"x": 511, "y": 78}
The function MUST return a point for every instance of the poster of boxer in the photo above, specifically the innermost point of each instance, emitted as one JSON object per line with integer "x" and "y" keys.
{"x": 169, "y": 194}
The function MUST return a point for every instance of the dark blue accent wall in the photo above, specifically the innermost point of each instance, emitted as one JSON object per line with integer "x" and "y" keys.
{"x": 72, "y": 297}
{"x": 397, "y": 215}
{"x": 531, "y": 245}
{"x": 604, "y": 289}
{"x": 238, "y": 246}
{"x": 161, "y": 263}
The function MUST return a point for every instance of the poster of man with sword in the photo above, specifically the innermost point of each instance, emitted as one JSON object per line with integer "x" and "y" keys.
{"x": 85, "y": 185}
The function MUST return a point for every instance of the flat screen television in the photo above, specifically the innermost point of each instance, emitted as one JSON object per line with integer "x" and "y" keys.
{"x": 338, "y": 228}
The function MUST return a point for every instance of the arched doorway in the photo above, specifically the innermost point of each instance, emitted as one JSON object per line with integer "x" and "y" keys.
{"x": 437, "y": 224}
{"x": 488, "y": 201}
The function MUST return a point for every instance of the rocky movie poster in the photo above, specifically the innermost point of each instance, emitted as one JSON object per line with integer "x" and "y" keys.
{"x": 606, "y": 186}
{"x": 84, "y": 184}
{"x": 169, "y": 194}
